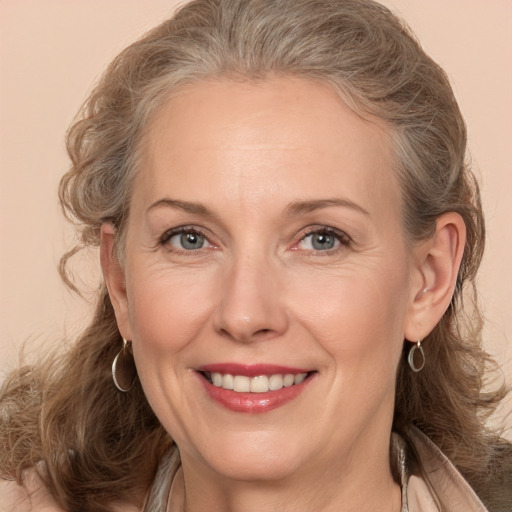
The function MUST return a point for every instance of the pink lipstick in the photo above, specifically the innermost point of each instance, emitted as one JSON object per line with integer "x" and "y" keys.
{"x": 253, "y": 388}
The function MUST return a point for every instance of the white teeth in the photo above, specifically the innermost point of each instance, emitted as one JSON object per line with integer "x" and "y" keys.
{"x": 288, "y": 380}
{"x": 259, "y": 384}
{"x": 241, "y": 383}
{"x": 275, "y": 382}
{"x": 299, "y": 378}
{"x": 217, "y": 379}
{"x": 227, "y": 381}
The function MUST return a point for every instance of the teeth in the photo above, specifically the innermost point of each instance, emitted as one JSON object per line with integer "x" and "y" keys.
{"x": 299, "y": 378}
{"x": 259, "y": 384}
{"x": 288, "y": 380}
{"x": 241, "y": 384}
{"x": 217, "y": 379}
{"x": 275, "y": 382}
{"x": 228, "y": 381}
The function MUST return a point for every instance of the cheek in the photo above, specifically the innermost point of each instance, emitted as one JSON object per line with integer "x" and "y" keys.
{"x": 358, "y": 317}
{"x": 168, "y": 308}
{"x": 167, "y": 312}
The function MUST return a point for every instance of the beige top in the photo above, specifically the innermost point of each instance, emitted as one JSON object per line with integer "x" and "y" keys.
{"x": 443, "y": 485}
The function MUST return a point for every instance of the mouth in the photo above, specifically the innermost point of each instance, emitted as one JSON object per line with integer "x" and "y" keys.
{"x": 256, "y": 384}
{"x": 253, "y": 388}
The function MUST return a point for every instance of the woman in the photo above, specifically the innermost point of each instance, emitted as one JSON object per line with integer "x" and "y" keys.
{"x": 286, "y": 226}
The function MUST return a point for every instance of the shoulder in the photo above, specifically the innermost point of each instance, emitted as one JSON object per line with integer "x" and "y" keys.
{"x": 32, "y": 496}
{"x": 441, "y": 483}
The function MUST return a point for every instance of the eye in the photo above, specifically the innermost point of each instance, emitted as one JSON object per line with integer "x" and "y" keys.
{"x": 185, "y": 240}
{"x": 325, "y": 239}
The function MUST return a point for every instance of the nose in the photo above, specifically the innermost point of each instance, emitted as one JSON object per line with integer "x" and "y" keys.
{"x": 251, "y": 304}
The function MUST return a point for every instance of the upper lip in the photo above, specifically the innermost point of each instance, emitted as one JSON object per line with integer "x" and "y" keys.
{"x": 250, "y": 370}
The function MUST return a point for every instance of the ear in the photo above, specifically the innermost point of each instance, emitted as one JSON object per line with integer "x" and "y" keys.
{"x": 437, "y": 262}
{"x": 113, "y": 273}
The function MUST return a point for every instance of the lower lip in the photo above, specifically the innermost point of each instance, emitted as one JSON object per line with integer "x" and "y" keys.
{"x": 253, "y": 403}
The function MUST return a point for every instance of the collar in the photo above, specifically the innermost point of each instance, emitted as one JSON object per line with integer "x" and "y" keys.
{"x": 436, "y": 486}
{"x": 439, "y": 485}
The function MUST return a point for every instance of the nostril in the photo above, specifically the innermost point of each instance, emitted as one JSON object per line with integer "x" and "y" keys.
{"x": 263, "y": 334}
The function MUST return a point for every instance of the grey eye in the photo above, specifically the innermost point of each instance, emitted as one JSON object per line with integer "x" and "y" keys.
{"x": 189, "y": 241}
{"x": 320, "y": 241}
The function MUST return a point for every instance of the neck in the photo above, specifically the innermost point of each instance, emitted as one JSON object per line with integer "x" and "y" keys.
{"x": 356, "y": 485}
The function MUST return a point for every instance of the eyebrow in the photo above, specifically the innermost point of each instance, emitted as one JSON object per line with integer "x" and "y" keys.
{"x": 186, "y": 206}
{"x": 302, "y": 207}
{"x": 292, "y": 209}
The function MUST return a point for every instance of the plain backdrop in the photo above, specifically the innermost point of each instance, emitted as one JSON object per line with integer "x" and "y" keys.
{"x": 52, "y": 51}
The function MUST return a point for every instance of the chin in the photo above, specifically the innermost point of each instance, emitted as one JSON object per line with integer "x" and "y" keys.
{"x": 255, "y": 470}
{"x": 256, "y": 459}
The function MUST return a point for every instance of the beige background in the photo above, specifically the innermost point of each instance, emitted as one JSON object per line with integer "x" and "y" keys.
{"x": 51, "y": 51}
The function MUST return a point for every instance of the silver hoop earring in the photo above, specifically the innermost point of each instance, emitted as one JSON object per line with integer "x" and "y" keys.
{"x": 124, "y": 371}
{"x": 410, "y": 358}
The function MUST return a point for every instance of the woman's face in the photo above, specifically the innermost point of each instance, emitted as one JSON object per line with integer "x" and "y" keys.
{"x": 265, "y": 247}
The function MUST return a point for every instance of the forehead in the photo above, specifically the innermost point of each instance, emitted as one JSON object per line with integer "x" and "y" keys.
{"x": 285, "y": 136}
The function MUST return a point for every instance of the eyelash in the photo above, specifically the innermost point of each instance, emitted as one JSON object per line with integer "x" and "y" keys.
{"x": 344, "y": 240}
{"x": 182, "y": 230}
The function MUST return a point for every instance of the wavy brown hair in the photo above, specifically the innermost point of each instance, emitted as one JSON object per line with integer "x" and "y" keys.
{"x": 98, "y": 445}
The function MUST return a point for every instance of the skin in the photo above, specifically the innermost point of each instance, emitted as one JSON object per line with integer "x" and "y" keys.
{"x": 258, "y": 291}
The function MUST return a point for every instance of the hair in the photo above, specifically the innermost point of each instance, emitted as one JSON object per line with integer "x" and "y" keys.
{"x": 66, "y": 411}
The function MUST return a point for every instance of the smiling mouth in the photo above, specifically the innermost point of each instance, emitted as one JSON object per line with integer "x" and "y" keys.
{"x": 257, "y": 384}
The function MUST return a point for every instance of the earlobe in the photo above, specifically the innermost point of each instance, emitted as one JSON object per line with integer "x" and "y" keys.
{"x": 438, "y": 261}
{"x": 113, "y": 274}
